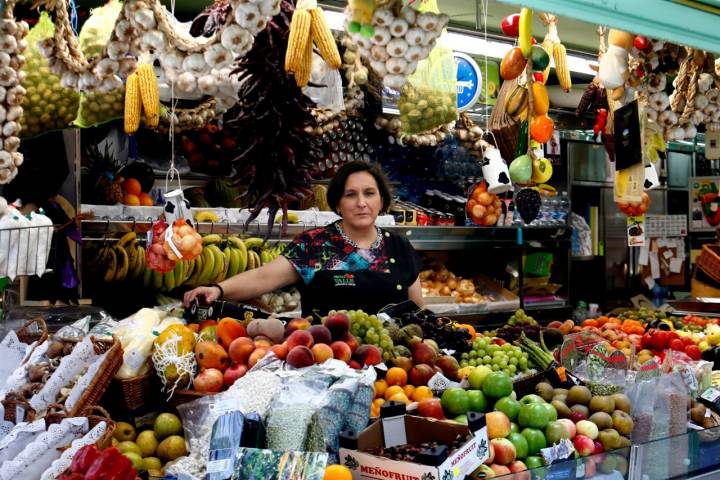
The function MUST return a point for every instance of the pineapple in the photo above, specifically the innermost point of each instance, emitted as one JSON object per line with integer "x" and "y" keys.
{"x": 101, "y": 171}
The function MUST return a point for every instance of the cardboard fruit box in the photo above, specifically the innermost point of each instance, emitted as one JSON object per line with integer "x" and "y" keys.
{"x": 395, "y": 428}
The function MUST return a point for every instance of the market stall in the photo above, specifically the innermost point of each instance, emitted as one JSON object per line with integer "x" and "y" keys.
{"x": 245, "y": 295}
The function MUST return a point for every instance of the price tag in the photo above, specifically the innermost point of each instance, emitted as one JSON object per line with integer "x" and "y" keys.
{"x": 220, "y": 466}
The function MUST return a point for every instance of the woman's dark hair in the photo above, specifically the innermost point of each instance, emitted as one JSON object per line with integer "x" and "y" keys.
{"x": 337, "y": 185}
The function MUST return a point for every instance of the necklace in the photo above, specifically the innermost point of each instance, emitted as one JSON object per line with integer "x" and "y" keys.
{"x": 346, "y": 237}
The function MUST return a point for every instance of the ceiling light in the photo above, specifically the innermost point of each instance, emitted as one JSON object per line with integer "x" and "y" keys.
{"x": 475, "y": 45}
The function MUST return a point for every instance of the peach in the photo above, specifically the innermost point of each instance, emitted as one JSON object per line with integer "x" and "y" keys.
{"x": 504, "y": 451}
{"x": 424, "y": 353}
{"x": 351, "y": 341}
{"x": 500, "y": 469}
{"x": 498, "y": 425}
{"x": 421, "y": 374}
{"x": 321, "y": 352}
{"x": 584, "y": 445}
{"x": 341, "y": 351}
{"x": 368, "y": 355}
{"x": 300, "y": 356}
{"x": 234, "y": 372}
{"x": 263, "y": 342}
{"x": 299, "y": 338}
{"x": 320, "y": 334}
{"x": 296, "y": 324}
{"x": 240, "y": 349}
{"x": 338, "y": 324}
{"x": 256, "y": 355}
{"x": 280, "y": 350}
{"x": 354, "y": 364}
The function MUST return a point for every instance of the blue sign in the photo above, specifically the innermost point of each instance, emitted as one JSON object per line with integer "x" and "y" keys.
{"x": 469, "y": 81}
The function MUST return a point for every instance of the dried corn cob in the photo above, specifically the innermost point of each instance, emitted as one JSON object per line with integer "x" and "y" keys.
{"x": 133, "y": 104}
{"x": 149, "y": 94}
{"x": 297, "y": 41}
{"x": 549, "y": 47}
{"x": 323, "y": 38}
{"x": 302, "y": 75}
{"x": 561, "y": 66}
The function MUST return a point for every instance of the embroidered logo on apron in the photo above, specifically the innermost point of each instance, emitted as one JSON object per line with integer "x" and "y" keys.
{"x": 346, "y": 280}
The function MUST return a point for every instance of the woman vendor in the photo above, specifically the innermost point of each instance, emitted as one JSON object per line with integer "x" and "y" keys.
{"x": 348, "y": 265}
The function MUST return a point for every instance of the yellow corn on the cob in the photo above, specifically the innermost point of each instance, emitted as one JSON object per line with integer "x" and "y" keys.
{"x": 133, "y": 104}
{"x": 149, "y": 94}
{"x": 549, "y": 47}
{"x": 561, "y": 66}
{"x": 302, "y": 74}
{"x": 297, "y": 41}
{"x": 323, "y": 38}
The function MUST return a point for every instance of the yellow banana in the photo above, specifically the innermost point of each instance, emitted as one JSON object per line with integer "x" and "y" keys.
{"x": 250, "y": 260}
{"x": 141, "y": 261}
{"x": 219, "y": 264}
{"x": 525, "y": 31}
{"x": 122, "y": 264}
{"x": 157, "y": 280}
{"x": 208, "y": 266}
{"x": 206, "y": 216}
{"x": 197, "y": 271}
{"x": 234, "y": 260}
{"x": 110, "y": 265}
{"x": 224, "y": 271}
{"x": 127, "y": 239}
{"x": 169, "y": 280}
{"x": 256, "y": 259}
{"x": 254, "y": 242}
{"x": 212, "y": 239}
{"x": 265, "y": 257}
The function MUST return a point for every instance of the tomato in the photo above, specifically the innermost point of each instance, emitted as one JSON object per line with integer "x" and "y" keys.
{"x": 693, "y": 351}
{"x": 677, "y": 345}
{"x": 455, "y": 401}
{"x": 660, "y": 340}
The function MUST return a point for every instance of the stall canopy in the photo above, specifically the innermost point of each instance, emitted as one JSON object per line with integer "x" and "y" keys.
{"x": 685, "y": 22}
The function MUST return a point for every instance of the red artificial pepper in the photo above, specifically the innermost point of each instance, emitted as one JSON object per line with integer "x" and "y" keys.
{"x": 84, "y": 458}
{"x": 687, "y": 341}
{"x": 660, "y": 340}
{"x": 693, "y": 351}
{"x": 641, "y": 42}
{"x": 600, "y": 121}
{"x": 646, "y": 341}
{"x": 111, "y": 465}
{"x": 73, "y": 476}
{"x": 510, "y": 25}
{"x": 673, "y": 336}
{"x": 539, "y": 77}
{"x": 677, "y": 345}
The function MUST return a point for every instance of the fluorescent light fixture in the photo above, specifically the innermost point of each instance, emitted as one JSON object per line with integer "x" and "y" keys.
{"x": 474, "y": 45}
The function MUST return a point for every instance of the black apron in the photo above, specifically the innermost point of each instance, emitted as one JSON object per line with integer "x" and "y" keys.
{"x": 364, "y": 290}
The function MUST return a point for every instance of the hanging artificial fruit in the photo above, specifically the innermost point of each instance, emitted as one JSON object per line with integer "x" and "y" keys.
{"x": 511, "y": 25}
{"x": 513, "y": 64}
{"x": 541, "y": 128}
{"x": 542, "y": 170}
{"x": 525, "y": 31}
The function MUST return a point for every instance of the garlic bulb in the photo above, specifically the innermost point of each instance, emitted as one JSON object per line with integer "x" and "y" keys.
{"x": 186, "y": 82}
{"x": 145, "y": 18}
{"x": 195, "y": 63}
{"x": 397, "y": 47}
{"x": 207, "y": 85}
{"x": 217, "y": 56}
{"x": 8, "y": 76}
{"x": 116, "y": 50}
{"x": 381, "y": 36}
{"x": 247, "y": 15}
{"x": 154, "y": 39}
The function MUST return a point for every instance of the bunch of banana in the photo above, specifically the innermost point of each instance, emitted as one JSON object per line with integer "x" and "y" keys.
{"x": 125, "y": 260}
{"x": 260, "y": 252}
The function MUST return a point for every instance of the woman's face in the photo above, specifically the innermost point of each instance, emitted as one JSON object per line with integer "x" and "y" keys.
{"x": 361, "y": 201}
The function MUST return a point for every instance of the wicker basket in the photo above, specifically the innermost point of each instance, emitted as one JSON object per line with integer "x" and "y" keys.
{"x": 28, "y": 334}
{"x": 56, "y": 413}
{"x": 105, "y": 374}
{"x": 504, "y": 128}
{"x": 11, "y": 410}
{"x": 96, "y": 414}
{"x": 135, "y": 389}
{"x": 709, "y": 261}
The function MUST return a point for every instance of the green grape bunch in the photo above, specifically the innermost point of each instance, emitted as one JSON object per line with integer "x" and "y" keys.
{"x": 369, "y": 329}
{"x": 506, "y": 358}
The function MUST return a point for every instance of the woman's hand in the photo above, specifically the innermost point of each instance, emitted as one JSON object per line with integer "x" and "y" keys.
{"x": 210, "y": 293}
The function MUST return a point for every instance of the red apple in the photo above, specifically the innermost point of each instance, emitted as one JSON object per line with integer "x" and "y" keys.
{"x": 341, "y": 351}
{"x": 583, "y": 445}
{"x": 520, "y": 469}
{"x": 598, "y": 447}
{"x": 207, "y": 323}
{"x": 504, "y": 451}
{"x": 299, "y": 338}
{"x": 578, "y": 416}
{"x": 500, "y": 469}
{"x": 491, "y": 455}
{"x": 233, "y": 372}
{"x": 510, "y": 25}
{"x": 368, "y": 355}
{"x": 424, "y": 353}
{"x": 484, "y": 471}
{"x": 296, "y": 324}
{"x": 431, "y": 407}
{"x": 421, "y": 374}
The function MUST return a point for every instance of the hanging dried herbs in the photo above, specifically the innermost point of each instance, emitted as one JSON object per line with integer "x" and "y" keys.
{"x": 273, "y": 153}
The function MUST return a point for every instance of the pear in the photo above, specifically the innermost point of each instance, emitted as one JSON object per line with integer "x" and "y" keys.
{"x": 167, "y": 424}
{"x": 172, "y": 447}
{"x": 147, "y": 442}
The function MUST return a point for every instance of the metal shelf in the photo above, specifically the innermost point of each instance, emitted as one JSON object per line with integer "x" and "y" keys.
{"x": 422, "y": 238}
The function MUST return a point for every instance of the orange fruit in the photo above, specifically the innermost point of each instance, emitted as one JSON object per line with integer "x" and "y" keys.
{"x": 146, "y": 200}
{"x": 409, "y": 390}
{"x": 541, "y": 128}
{"x": 131, "y": 200}
{"x": 394, "y": 390}
{"x": 422, "y": 393}
{"x": 337, "y": 472}
{"x": 399, "y": 397}
{"x": 132, "y": 186}
{"x": 378, "y": 402}
{"x": 396, "y": 376}
{"x": 379, "y": 388}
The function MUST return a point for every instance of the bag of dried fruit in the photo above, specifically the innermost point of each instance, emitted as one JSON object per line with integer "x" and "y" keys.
{"x": 106, "y": 103}
{"x": 48, "y": 106}
{"x": 429, "y": 97}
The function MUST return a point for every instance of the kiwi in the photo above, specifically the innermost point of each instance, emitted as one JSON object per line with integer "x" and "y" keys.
{"x": 545, "y": 390}
{"x": 561, "y": 397}
{"x": 602, "y": 403}
{"x": 579, "y": 394}
{"x": 560, "y": 391}
{"x": 602, "y": 420}
{"x": 622, "y": 402}
{"x": 624, "y": 442}
{"x": 562, "y": 409}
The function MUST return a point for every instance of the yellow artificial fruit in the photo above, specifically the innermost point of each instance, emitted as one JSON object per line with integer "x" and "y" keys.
{"x": 541, "y": 170}
{"x": 525, "y": 32}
